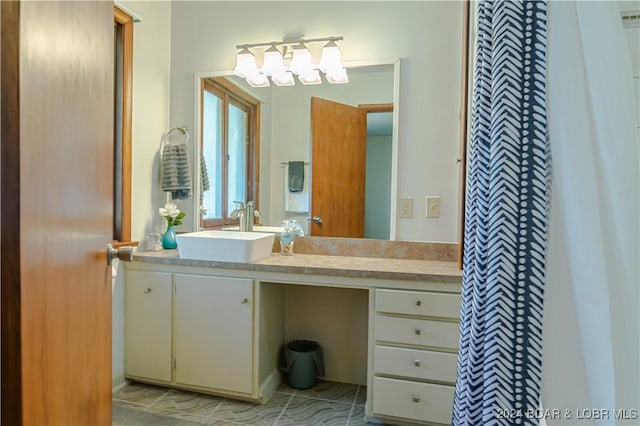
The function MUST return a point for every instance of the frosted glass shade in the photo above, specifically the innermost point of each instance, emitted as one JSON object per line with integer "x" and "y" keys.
{"x": 258, "y": 80}
{"x": 245, "y": 64}
{"x": 309, "y": 78}
{"x": 331, "y": 59}
{"x": 301, "y": 60}
{"x": 338, "y": 76}
{"x": 283, "y": 79}
{"x": 273, "y": 62}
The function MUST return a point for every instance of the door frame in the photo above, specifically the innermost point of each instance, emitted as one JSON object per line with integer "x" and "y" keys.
{"x": 11, "y": 370}
{"x": 395, "y": 105}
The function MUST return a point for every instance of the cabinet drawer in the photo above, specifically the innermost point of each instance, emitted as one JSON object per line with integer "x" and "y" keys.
{"x": 418, "y": 303}
{"x": 415, "y": 363}
{"x": 412, "y": 400}
{"x": 417, "y": 332}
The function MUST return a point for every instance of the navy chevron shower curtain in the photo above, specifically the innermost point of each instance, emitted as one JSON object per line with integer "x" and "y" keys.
{"x": 506, "y": 223}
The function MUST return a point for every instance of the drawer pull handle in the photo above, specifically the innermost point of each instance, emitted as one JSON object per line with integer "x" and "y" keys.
{"x": 415, "y": 398}
{"x": 245, "y": 301}
{"x": 147, "y": 290}
{"x": 418, "y": 331}
{"x": 417, "y": 362}
{"x": 418, "y": 302}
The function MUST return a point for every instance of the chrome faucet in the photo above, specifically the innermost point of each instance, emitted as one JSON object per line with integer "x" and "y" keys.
{"x": 245, "y": 215}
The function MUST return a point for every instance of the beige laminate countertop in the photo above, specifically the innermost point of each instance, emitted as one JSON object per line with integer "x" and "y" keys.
{"x": 312, "y": 264}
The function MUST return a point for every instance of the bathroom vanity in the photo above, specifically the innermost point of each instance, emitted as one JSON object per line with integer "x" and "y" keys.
{"x": 218, "y": 327}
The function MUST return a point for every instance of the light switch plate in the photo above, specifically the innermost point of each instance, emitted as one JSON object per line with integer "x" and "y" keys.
{"x": 433, "y": 207}
{"x": 406, "y": 207}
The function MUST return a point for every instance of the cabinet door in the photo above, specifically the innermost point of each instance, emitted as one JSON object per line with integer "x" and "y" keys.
{"x": 148, "y": 325}
{"x": 213, "y": 332}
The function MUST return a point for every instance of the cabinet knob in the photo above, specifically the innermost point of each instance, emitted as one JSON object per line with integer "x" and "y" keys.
{"x": 245, "y": 301}
{"x": 415, "y": 398}
{"x": 417, "y": 362}
{"x": 418, "y": 332}
{"x": 418, "y": 302}
{"x": 147, "y": 290}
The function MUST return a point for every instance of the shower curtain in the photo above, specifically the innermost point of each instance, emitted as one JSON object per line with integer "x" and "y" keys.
{"x": 499, "y": 357}
{"x": 591, "y": 313}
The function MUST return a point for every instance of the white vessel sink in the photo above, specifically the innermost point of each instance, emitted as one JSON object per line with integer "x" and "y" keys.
{"x": 224, "y": 246}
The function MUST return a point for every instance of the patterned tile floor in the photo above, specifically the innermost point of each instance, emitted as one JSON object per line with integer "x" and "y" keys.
{"x": 327, "y": 403}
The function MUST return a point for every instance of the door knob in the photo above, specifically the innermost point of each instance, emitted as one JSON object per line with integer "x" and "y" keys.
{"x": 317, "y": 219}
{"x": 123, "y": 253}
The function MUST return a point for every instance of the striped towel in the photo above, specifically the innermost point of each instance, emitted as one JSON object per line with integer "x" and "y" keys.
{"x": 175, "y": 171}
{"x": 204, "y": 174}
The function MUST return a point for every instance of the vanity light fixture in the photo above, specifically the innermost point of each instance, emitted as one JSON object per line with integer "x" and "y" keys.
{"x": 294, "y": 59}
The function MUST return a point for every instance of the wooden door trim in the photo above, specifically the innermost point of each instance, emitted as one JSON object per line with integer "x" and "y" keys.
{"x": 126, "y": 22}
{"x": 11, "y": 368}
{"x": 377, "y": 107}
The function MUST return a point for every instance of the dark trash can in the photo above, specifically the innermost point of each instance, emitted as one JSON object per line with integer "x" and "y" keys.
{"x": 302, "y": 362}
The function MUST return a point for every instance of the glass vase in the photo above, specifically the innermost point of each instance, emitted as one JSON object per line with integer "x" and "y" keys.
{"x": 169, "y": 239}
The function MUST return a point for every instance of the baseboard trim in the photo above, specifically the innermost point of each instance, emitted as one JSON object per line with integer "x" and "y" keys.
{"x": 269, "y": 386}
{"x": 119, "y": 386}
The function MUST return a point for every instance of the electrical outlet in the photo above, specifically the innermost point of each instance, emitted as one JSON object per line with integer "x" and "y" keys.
{"x": 406, "y": 207}
{"x": 433, "y": 207}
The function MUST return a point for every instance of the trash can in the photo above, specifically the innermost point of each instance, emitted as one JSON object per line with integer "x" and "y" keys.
{"x": 302, "y": 362}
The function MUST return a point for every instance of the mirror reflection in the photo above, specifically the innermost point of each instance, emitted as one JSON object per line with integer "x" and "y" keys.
{"x": 328, "y": 152}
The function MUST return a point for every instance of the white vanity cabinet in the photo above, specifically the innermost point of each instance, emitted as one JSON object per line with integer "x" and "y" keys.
{"x": 414, "y": 355}
{"x": 220, "y": 328}
{"x": 191, "y": 331}
{"x": 148, "y": 300}
{"x": 213, "y": 332}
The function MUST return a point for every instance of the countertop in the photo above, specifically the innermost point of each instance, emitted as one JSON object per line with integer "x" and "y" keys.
{"x": 315, "y": 264}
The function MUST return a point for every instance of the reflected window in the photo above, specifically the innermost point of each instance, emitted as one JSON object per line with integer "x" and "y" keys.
{"x": 229, "y": 143}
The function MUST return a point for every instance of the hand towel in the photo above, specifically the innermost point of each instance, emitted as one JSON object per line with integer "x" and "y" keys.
{"x": 296, "y": 202}
{"x": 176, "y": 171}
{"x": 204, "y": 175}
{"x": 296, "y": 176}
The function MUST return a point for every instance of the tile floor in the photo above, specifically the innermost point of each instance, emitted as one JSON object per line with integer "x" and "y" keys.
{"x": 327, "y": 403}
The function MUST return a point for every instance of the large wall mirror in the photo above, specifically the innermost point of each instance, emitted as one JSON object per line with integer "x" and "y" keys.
{"x": 345, "y": 137}
{"x": 425, "y": 88}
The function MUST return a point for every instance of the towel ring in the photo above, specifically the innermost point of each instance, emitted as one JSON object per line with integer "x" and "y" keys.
{"x": 181, "y": 129}
{"x": 165, "y": 140}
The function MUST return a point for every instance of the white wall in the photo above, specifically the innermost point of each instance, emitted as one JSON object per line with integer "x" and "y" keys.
{"x": 151, "y": 67}
{"x": 378, "y": 187}
{"x": 425, "y": 35}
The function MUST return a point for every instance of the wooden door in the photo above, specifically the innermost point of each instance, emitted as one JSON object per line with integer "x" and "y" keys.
{"x": 213, "y": 332}
{"x": 57, "y": 212}
{"x": 338, "y": 166}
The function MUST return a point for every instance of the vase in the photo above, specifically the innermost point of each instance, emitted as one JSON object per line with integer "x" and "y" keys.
{"x": 169, "y": 239}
